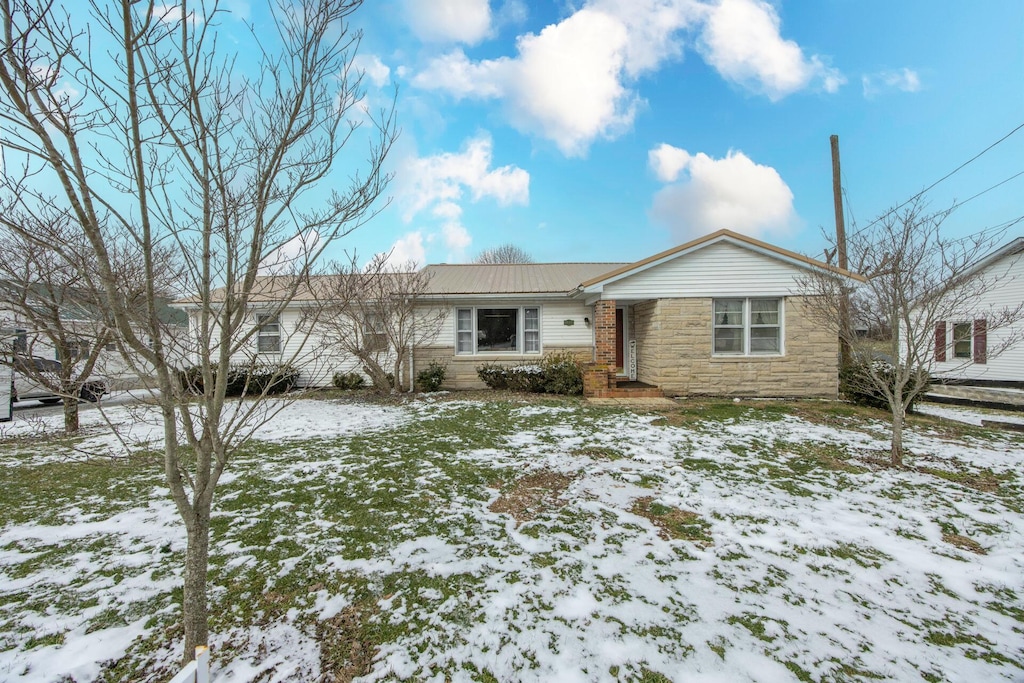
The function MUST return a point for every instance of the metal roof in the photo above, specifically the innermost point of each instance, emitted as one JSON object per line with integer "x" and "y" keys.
{"x": 518, "y": 278}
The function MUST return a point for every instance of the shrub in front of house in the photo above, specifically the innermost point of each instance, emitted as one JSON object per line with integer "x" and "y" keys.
{"x": 563, "y": 373}
{"x": 493, "y": 375}
{"x": 525, "y": 378}
{"x": 558, "y": 372}
{"x": 269, "y": 378}
{"x": 857, "y": 385}
{"x": 432, "y": 377}
{"x": 348, "y": 380}
{"x": 245, "y": 379}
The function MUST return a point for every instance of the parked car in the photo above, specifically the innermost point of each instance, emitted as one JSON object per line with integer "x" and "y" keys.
{"x": 27, "y": 388}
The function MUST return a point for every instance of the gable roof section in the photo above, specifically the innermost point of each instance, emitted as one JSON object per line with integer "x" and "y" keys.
{"x": 519, "y": 278}
{"x": 1015, "y": 246}
{"x": 755, "y": 245}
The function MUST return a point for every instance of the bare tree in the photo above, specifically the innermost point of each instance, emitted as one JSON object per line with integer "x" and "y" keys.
{"x": 54, "y": 311}
{"x": 917, "y": 280}
{"x": 505, "y": 253}
{"x": 132, "y": 118}
{"x": 376, "y": 313}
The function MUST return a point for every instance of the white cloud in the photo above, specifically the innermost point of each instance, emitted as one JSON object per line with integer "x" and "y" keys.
{"x": 904, "y": 80}
{"x": 171, "y": 14}
{"x": 741, "y": 40}
{"x": 291, "y": 256}
{"x": 438, "y": 184}
{"x": 455, "y": 74}
{"x": 459, "y": 21}
{"x": 442, "y": 178}
{"x": 456, "y": 238}
{"x": 409, "y": 249}
{"x": 653, "y": 28}
{"x": 667, "y": 162}
{"x": 564, "y": 85}
{"x": 375, "y": 70}
{"x": 573, "y": 82}
{"x": 733, "y": 192}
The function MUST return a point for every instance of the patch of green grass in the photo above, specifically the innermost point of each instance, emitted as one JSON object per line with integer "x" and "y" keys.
{"x": 598, "y": 452}
{"x": 718, "y": 646}
{"x": 755, "y": 624}
{"x": 44, "y": 640}
{"x": 869, "y": 558}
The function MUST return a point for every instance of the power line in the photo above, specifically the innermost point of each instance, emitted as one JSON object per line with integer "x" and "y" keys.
{"x": 954, "y": 171}
{"x": 1002, "y": 182}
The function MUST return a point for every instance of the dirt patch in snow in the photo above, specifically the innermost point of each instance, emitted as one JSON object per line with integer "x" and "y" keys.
{"x": 674, "y": 523}
{"x": 345, "y": 650}
{"x": 533, "y": 495}
{"x": 964, "y": 543}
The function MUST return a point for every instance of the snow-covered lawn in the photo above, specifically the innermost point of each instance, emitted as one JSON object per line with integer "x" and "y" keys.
{"x": 474, "y": 540}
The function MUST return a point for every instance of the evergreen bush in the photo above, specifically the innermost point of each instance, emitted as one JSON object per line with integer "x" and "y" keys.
{"x": 432, "y": 377}
{"x": 858, "y": 386}
{"x": 348, "y": 380}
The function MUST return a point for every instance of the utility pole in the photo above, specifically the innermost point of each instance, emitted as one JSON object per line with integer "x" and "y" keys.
{"x": 837, "y": 193}
{"x": 844, "y": 303}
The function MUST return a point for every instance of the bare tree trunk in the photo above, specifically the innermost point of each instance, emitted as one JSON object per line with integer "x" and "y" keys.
{"x": 195, "y": 608}
{"x": 70, "y": 415}
{"x": 899, "y": 414}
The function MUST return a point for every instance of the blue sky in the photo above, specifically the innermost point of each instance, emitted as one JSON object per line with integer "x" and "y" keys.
{"x": 608, "y": 130}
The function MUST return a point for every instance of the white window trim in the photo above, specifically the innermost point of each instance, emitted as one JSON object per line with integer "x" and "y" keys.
{"x": 746, "y": 353}
{"x": 261, "y": 320}
{"x": 520, "y": 331}
{"x": 951, "y": 336}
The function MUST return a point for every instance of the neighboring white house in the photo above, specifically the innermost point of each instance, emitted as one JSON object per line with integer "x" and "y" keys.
{"x": 84, "y": 327}
{"x": 962, "y": 345}
{"x": 721, "y": 315}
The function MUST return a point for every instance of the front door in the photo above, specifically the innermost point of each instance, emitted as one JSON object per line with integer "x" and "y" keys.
{"x": 620, "y": 340}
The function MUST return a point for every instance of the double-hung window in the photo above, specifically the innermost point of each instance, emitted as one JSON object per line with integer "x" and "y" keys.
{"x": 962, "y": 340}
{"x": 743, "y": 327}
{"x": 21, "y": 341}
{"x": 497, "y": 330}
{"x": 268, "y": 338}
{"x": 374, "y": 337}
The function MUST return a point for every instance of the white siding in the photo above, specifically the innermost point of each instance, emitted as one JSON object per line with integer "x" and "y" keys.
{"x": 1008, "y": 293}
{"x": 317, "y": 362}
{"x": 720, "y": 269}
{"x": 554, "y": 333}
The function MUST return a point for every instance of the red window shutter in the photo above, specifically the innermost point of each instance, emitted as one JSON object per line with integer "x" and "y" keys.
{"x": 980, "y": 341}
{"x": 940, "y": 341}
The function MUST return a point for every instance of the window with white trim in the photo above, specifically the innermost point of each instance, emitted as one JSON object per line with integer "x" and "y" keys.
{"x": 268, "y": 338}
{"x": 20, "y": 341}
{"x": 962, "y": 334}
{"x": 497, "y": 330}
{"x": 747, "y": 327}
{"x": 374, "y": 337}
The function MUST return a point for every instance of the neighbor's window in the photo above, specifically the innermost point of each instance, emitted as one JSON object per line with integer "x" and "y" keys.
{"x": 374, "y": 338}
{"x": 747, "y": 326}
{"x": 268, "y": 339}
{"x": 21, "y": 341}
{"x": 962, "y": 340}
{"x": 497, "y": 330}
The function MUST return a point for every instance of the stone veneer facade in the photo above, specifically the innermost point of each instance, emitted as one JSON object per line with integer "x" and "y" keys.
{"x": 674, "y": 353}
{"x": 462, "y": 368}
